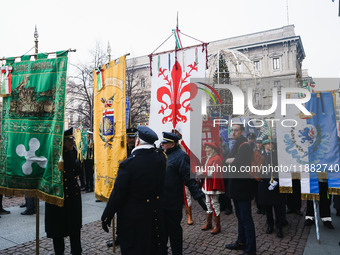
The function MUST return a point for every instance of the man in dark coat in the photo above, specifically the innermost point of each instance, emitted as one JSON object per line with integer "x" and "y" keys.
{"x": 67, "y": 220}
{"x": 136, "y": 197}
{"x": 241, "y": 190}
{"x": 269, "y": 193}
{"x": 177, "y": 175}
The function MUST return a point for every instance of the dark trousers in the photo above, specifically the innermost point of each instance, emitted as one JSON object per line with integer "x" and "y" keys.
{"x": 224, "y": 199}
{"x": 294, "y": 199}
{"x": 324, "y": 203}
{"x": 172, "y": 230}
{"x": 246, "y": 228}
{"x": 30, "y": 204}
{"x": 89, "y": 173}
{"x": 1, "y": 202}
{"x": 59, "y": 244}
{"x": 278, "y": 215}
{"x": 82, "y": 176}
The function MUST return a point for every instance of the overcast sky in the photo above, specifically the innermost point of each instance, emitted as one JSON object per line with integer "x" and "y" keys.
{"x": 139, "y": 27}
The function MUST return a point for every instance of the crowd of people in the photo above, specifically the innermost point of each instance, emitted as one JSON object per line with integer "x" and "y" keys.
{"x": 153, "y": 184}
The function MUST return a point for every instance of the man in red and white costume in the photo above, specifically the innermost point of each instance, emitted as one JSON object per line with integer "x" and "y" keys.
{"x": 213, "y": 186}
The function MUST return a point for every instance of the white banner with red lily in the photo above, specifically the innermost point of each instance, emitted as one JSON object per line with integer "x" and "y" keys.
{"x": 172, "y": 92}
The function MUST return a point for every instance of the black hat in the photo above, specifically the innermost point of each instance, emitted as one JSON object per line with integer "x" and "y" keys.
{"x": 68, "y": 134}
{"x": 170, "y": 137}
{"x": 251, "y": 136}
{"x": 266, "y": 140}
{"x": 131, "y": 132}
{"x": 147, "y": 134}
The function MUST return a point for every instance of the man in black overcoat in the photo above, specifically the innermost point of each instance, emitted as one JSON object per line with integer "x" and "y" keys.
{"x": 67, "y": 220}
{"x": 136, "y": 197}
{"x": 241, "y": 190}
{"x": 177, "y": 175}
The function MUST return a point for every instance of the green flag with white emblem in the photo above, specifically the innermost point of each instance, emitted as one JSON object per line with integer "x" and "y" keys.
{"x": 32, "y": 128}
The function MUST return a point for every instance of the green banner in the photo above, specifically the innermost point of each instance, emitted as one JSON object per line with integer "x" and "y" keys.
{"x": 32, "y": 129}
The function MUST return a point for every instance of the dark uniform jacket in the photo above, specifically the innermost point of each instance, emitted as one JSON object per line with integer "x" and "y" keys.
{"x": 62, "y": 221}
{"x": 266, "y": 196}
{"x": 241, "y": 186}
{"x": 137, "y": 199}
{"x": 177, "y": 175}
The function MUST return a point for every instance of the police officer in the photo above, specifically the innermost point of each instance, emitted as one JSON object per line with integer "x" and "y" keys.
{"x": 131, "y": 134}
{"x": 269, "y": 194}
{"x": 67, "y": 220}
{"x": 177, "y": 175}
{"x": 136, "y": 197}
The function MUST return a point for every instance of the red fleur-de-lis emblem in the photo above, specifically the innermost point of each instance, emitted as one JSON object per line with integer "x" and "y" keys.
{"x": 172, "y": 96}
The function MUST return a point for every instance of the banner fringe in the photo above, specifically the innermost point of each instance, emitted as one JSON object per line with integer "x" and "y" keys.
{"x": 286, "y": 189}
{"x": 305, "y": 196}
{"x": 101, "y": 198}
{"x": 33, "y": 193}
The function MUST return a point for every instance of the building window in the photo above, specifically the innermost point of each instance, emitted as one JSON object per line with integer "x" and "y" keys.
{"x": 142, "y": 82}
{"x": 276, "y": 64}
{"x": 257, "y": 65}
{"x": 277, "y": 83}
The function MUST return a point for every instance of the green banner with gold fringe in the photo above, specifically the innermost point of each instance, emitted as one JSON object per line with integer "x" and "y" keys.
{"x": 32, "y": 128}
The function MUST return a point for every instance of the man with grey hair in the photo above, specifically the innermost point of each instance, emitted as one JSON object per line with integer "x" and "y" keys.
{"x": 137, "y": 195}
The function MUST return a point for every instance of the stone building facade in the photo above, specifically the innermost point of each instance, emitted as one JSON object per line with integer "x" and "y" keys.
{"x": 267, "y": 59}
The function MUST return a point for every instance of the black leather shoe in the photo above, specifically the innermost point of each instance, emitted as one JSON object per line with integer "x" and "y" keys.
{"x": 109, "y": 243}
{"x": 309, "y": 222}
{"x": 269, "y": 230}
{"x": 3, "y": 211}
{"x": 279, "y": 233}
{"x": 27, "y": 212}
{"x": 249, "y": 253}
{"x": 328, "y": 224}
{"x": 23, "y": 205}
{"x": 236, "y": 246}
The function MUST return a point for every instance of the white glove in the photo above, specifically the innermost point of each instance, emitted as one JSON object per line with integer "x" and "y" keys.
{"x": 272, "y": 185}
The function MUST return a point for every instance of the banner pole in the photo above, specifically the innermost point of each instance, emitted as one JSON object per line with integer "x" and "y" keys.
{"x": 316, "y": 222}
{"x": 113, "y": 235}
{"x": 36, "y": 42}
{"x": 37, "y": 226}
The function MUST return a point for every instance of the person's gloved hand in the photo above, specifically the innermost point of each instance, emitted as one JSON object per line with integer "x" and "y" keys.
{"x": 272, "y": 185}
{"x": 202, "y": 204}
{"x": 105, "y": 226}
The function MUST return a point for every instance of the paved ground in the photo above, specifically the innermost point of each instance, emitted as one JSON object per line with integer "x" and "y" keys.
{"x": 297, "y": 238}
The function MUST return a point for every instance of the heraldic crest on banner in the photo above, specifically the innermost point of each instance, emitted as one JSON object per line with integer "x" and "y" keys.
{"x": 176, "y": 85}
{"x": 305, "y": 142}
{"x": 107, "y": 126}
{"x": 32, "y": 128}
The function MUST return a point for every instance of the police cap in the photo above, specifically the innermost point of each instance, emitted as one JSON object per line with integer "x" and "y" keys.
{"x": 147, "y": 134}
{"x": 170, "y": 137}
{"x": 251, "y": 136}
{"x": 68, "y": 134}
{"x": 131, "y": 132}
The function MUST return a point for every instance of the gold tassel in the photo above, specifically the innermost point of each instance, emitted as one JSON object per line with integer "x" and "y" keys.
{"x": 61, "y": 164}
{"x": 334, "y": 191}
{"x": 310, "y": 196}
{"x": 286, "y": 189}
